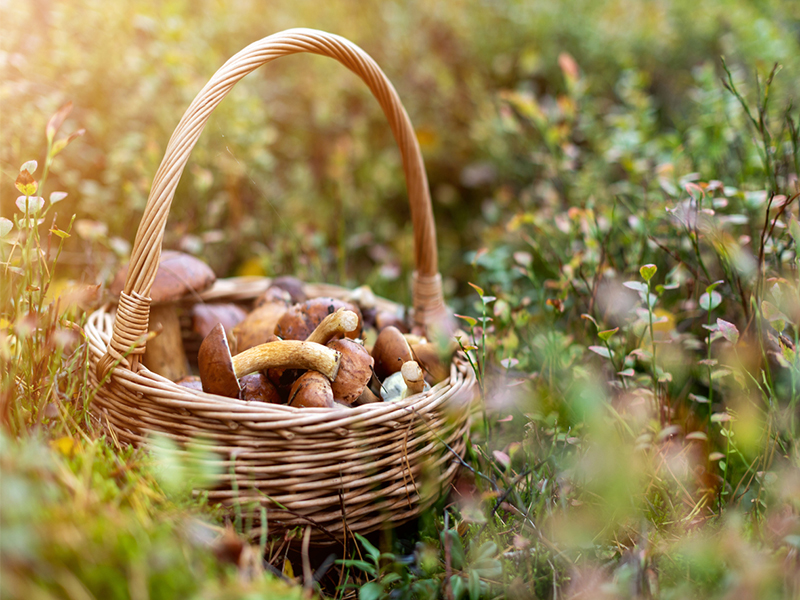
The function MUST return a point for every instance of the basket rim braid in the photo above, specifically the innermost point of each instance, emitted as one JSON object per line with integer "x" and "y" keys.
{"x": 336, "y": 470}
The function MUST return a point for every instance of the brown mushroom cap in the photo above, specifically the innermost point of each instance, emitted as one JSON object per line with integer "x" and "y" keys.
{"x": 256, "y": 327}
{"x": 390, "y": 351}
{"x": 257, "y": 388}
{"x": 190, "y": 381}
{"x": 292, "y": 285}
{"x": 178, "y": 275}
{"x": 429, "y": 359}
{"x": 301, "y": 319}
{"x": 206, "y": 316}
{"x": 354, "y": 372}
{"x": 274, "y": 294}
{"x": 220, "y": 371}
{"x": 384, "y": 319}
{"x": 312, "y": 389}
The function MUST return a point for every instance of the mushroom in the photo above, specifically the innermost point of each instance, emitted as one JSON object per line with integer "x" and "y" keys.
{"x": 301, "y": 319}
{"x": 414, "y": 378}
{"x": 407, "y": 381}
{"x": 428, "y": 357}
{"x": 386, "y": 319}
{"x": 292, "y": 285}
{"x": 201, "y": 319}
{"x": 190, "y": 381}
{"x": 334, "y": 325}
{"x": 206, "y": 316}
{"x": 257, "y": 388}
{"x": 179, "y": 275}
{"x": 354, "y": 373}
{"x": 260, "y": 323}
{"x": 311, "y": 390}
{"x": 393, "y": 387}
{"x": 390, "y": 351}
{"x": 220, "y": 371}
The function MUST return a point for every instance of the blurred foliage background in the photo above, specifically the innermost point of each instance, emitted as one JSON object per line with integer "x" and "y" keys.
{"x": 626, "y": 200}
{"x": 303, "y": 133}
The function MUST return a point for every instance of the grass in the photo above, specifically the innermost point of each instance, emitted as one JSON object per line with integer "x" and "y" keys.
{"x": 630, "y": 225}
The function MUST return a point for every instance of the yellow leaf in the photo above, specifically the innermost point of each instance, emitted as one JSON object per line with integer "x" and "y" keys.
{"x": 287, "y": 568}
{"x": 251, "y": 267}
{"x": 66, "y": 446}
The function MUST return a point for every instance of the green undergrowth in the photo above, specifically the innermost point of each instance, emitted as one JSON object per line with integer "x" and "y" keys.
{"x": 623, "y": 202}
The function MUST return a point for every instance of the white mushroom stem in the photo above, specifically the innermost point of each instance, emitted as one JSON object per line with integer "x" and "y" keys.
{"x": 338, "y": 323}
{"x": 414, "y": 378}
{"x": 292, "y": 354}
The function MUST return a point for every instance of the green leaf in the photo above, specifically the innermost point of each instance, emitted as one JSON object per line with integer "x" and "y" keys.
{"x": 30, "y": 204}
{"x": 476, "y": 288}
{"x": 57, "y": 197}
{"x": 474, "y": 585}
{"x": 602, "y": 351}
{"x": 30, "y": 167}
{"x": 607, "y": 334}
{"x": 714, "y": 286}
{"x": 64, "y": 142}
{"x": 62, "y": 234}
{"x": 794, "y": 230}
{"x": 772, "y": 313}
{"x": 589, "y": 317}
{"x": 710, "y": 301}
{"x": 486, "y": 551}
{"x": 490, "y": 569}
{"x": 458, "y": 586}
{"x": 370, "y": 591}
{"x": 368, "y": 568}
{"x": 471, "y": 321}
{"x": 728, "y": 331}
{"x": 55, "y": 122}
{"x": 373, "y": 552}
{"x": 5, "y": 226}
{"x": 636, "y": 285}
{"x": 647, "y": 271}
{"x": 457, "y": 556}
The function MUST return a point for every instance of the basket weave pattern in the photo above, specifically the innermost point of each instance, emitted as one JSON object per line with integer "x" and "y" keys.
{"x": 337, "y": 470}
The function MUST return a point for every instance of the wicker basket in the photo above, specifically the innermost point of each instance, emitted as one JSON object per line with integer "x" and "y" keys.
{"x": 337, "y": 470}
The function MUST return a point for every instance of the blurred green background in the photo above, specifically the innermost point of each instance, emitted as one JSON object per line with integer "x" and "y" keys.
{"x": 642, "y": 444}
{"x": 297, "y": 170}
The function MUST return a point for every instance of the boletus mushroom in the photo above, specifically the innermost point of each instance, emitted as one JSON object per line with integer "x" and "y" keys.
{"x": 291, "y": 285}
{"x": 259, "y": 325}
{"x": 355, "y": 370}
{"x": 255, "y": 387}
{"x": 179, "y": 275}
{"x": 220, "y": 371}
{"x": 409, "y": 380}
{"x": 311, "y": 390}
{"x": 300, "y": 320}
{"x": 390, "y": 351}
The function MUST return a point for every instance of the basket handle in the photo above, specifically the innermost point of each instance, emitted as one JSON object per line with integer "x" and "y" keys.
{"x": 131, "y": 321}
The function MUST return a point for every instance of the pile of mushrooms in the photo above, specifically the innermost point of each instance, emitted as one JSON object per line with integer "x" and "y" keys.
{"x": 288, "y": 349}
{"x": 311, "y": 353}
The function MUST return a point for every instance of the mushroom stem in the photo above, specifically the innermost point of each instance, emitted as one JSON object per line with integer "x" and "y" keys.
{"x": 338, "y": 323}
{"x": 414, "y": 378}
{"x": 291, "y": 354}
